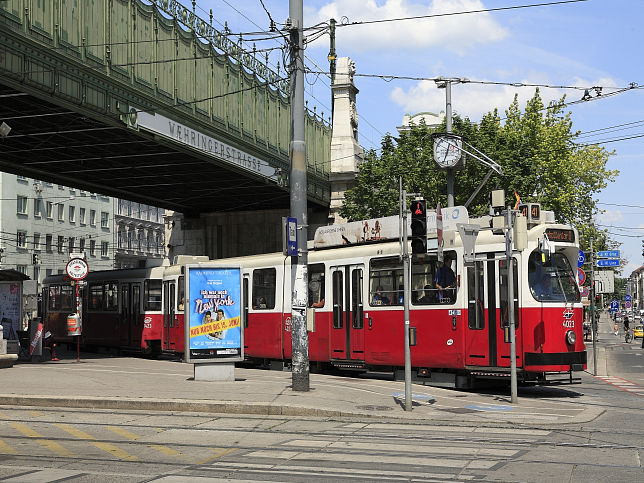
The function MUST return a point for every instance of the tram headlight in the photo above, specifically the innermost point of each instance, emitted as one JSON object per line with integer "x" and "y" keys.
{"x": 571, "y": 337}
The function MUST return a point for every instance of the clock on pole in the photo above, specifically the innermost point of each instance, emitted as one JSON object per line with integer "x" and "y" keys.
{"x": 448, "y": 151}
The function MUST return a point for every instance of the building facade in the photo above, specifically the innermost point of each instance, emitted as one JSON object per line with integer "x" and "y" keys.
{"x": 139, "y": 233}
{"x": 42, "y": 223}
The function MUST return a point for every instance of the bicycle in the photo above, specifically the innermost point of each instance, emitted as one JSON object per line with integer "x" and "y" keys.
{"x": 628, "y": 336}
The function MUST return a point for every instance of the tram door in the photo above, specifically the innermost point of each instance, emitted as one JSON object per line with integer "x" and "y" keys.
{"x": 487, "y": 313}
{"x": 169, "y": 296}
{"x": 126, "y": 316}
{"x": 347, "y": 329}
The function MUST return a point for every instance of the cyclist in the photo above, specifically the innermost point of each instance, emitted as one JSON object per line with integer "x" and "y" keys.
{"x": 627, "y": 332}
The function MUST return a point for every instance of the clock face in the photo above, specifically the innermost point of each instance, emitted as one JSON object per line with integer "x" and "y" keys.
{"x": 447, "y": 151}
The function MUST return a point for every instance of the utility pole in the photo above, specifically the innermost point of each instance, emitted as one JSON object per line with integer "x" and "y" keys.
{"x": 298, "y": 187}
{"x": 593, "y": 322}
{"x": 406, "y": 296}
{"x": 447, "y": 84}
{"x": 510, "y": 270}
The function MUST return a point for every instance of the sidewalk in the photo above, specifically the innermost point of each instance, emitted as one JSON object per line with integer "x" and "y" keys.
{"x": 144, "y": 384}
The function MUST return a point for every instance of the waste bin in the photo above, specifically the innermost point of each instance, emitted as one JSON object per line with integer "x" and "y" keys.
{"x": 73, "y": 324}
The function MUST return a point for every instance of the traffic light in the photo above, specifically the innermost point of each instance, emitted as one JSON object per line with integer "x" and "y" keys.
{"x": 419, "y": 226}
{"x": 35, "y": 259}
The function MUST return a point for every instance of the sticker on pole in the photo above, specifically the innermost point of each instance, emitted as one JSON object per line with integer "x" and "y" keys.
{"x": 77, "y": 269}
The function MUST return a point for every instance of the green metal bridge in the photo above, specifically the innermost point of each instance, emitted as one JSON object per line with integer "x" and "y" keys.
{"x": 144, "y": 100}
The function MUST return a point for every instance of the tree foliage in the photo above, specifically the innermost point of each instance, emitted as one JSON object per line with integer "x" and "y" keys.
{"x": 535, "y": 149}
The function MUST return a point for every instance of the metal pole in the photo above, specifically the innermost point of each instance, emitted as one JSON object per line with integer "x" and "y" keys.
{"x": 406, "y": 298}
{"x": 78, "y": 321}
{"x": 448, "y": 127}
{"x": 593, "y": 323}
{"x": 513, "y": 347}
{"x": 298, "y": 187}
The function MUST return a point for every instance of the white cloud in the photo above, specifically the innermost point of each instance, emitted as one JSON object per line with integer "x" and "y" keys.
{"x": 610, "y": 217}
{"x": 474, "y": 100}
{"x": 455, "y": 33}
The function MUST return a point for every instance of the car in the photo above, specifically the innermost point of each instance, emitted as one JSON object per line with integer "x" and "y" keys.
{"x": 638, "y": 331}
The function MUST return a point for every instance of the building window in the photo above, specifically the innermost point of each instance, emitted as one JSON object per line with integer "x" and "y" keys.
{"x": 38, "y": 207}
{"x": 61, "y": 212}
{"x": 81, "y": 215}
{"x": 72, "y": 214}
{"x": 37, "y": 241}
{"x": 22, "y": 205}
{"x": 81, "y": 245}
{"x": 48, "y": 242}
{"x": 150, "y": 241}
{"x": 22, "y": 269}
{"x": 130, "y": 239}
{"x": 72, "y": 242}
{"x": 105, "y": 219}
{"x": 105, "y": 246}
{"x": 21, "y": 239}
{"x": 50, "y": 210}
{"x": 92, "y": 217}
{"x": 61, "y": 243}
{"x": 158, "y": 243}
{"x": 92, "y": 248}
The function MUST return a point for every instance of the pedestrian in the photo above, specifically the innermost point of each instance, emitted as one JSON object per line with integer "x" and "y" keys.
{"x": 50, "y": 343}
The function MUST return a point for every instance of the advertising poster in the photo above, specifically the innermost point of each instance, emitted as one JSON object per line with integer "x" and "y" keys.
{"x": 10, "y": 309}
{"x": 214, "y": 329}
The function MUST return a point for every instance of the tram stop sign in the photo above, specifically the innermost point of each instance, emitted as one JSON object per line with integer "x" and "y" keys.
{"x": 77, "y": 269}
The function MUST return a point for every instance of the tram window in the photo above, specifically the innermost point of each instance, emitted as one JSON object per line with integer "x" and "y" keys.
{"x": 181, "y": 296}
{"x": 552, "y": 280}
{"x": 136, "y": 303}
{"x": 357, "y": 319}
{"x": 60, "y": 298}
{"x": 503, "y": 293}
{"x": 264, "y": 281}
{"x": 245, "y": 302}
{"x": 475, "y": 296}
{"x": 338, "y": 300}
{"x": 316, "y": 285}
{"x": 95, "y": 296}
{"x": 386, "y": 281}
{"x": 111, "y": 296}
{"x": 152, "y": 294}
{"x": 427, "y": 272}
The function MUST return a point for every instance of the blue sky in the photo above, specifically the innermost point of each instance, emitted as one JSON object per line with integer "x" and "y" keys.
{"x": 591, "y": 43}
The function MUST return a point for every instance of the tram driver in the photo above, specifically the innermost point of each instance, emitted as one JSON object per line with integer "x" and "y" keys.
{"x": 445, "y": 281}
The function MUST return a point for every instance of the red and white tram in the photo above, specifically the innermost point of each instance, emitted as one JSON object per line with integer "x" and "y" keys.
{"x": 355, "y": 321}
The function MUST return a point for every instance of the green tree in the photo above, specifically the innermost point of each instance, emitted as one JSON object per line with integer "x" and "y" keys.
{"x": 535, "y": 149}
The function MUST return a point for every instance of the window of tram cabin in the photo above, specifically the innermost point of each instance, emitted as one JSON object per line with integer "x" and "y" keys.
{"x": 385, "y": 281}
{"x": 181, "y": 294}
{"x": 60, "y": 298}
{"x": 316, "y": 285}
{"x": 426, "y": 271}
{"x": 552, "y": 279}
{"x": 103, "y": 296}
{"x": 152, "y": 294}
{"x": 264, "y": 282}
{"x": 503, "y": 293}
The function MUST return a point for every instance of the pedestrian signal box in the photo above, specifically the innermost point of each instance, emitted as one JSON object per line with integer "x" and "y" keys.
{"x": 419, "y": 226}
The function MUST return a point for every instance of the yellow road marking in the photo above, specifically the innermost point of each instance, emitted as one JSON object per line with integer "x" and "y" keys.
{"x": 3, "y": 416}
{"x": 50, "y": 445}
{"x": 35, "y": 413}
{"x": 109, "y": 448}
{"x": 6, "y": 449}
{"x": 123, "y": 432}
{"x": 165, "y": 450}
{"x": 219, "y": 452}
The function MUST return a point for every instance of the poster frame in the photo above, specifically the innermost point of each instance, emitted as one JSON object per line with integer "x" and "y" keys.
{"x": 189, "y": 357}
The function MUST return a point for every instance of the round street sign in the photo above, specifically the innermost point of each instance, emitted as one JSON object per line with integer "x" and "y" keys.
{"x": 627, "y": 305}
{"x": 581, "y": 259}
{"x": 584, "y": 291}
{"x": 581, "y": 275}
{"x": 77, "y": 268}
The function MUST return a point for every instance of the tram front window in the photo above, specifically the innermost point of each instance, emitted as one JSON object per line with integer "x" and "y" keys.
{"x": 552, "y": 280}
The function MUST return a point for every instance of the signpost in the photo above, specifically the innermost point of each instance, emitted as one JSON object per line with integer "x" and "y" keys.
{"x": 581, "y": 259}
{"x": 610, "y": 262}
{"x": 608, "y": 254}
{"x": 581, "y": 275}
{"x": 77, "y": 269}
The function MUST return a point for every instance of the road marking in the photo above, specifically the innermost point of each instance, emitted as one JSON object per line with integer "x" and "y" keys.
{"x": 50, "y": 445}
{"x": 3, "y": 416}
{"x": 124, "y": 432}
{"x": 165, "y": 450}
{"x": 6, "y": 449}
{"x": 107, "y": 447}
{"x": 35, "y": 413}
{"x": 44, "y": 476}
{"x": 622, "y": 384}
{"x": 389, "y": 448}
{"x": 219, "y": 452}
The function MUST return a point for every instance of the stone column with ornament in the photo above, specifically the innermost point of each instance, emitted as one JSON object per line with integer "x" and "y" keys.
{"x": 346, "y": 152}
